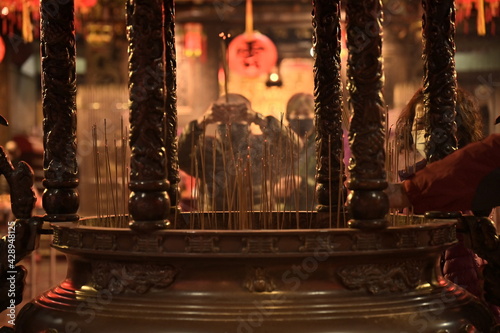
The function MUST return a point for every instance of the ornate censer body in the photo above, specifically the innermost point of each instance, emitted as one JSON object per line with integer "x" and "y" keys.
{"x": 150, "y": 278}
{"x": 341, "y": 280}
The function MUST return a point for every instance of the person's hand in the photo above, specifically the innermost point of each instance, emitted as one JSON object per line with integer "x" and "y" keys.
{"x": 248, "y": 116}
{"x": 228, "y": 113}
{"x": 211, "y": 116}
{"x": 251, "y": 116}
{"x": 238, "y": 113}
{"x": 221, "y": 112}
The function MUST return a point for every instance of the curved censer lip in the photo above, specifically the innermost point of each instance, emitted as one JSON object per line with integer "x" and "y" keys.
{"x": 81, "y": 239}
{"x": 259, "y": 221}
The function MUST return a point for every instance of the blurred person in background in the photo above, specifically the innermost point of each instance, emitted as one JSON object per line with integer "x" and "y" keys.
{"x": 297, "y": 191}
{"x": 235, "y": 166}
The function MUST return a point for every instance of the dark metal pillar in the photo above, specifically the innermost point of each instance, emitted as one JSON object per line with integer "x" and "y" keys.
{"x": 367, "y": 202}
{"x": 149, "y": 202}
{"x": 440, "y": 86}
{"x": 58, "y": 71}
{"x": 328, "y": 103}
{"x": 171, "y": 101}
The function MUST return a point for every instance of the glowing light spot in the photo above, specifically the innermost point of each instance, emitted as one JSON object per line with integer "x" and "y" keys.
{"x": 274, "y": 77}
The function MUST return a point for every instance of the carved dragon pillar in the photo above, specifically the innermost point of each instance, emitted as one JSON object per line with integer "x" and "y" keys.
{"x": 328, "y": 103}
{"x": 149, "y": 202}
{"x": 367, "y": 202}
{"x": 58, "y": 71}
{"x": 171, "y": 101}
{"x": 440, "y": 87}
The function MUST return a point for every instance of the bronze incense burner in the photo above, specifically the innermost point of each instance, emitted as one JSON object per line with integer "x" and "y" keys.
{"x": 159, "y": 273}
{"x": 317, "y": 280}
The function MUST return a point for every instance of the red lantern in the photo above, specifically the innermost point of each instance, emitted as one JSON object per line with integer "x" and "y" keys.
{"x": 252, "y": 54}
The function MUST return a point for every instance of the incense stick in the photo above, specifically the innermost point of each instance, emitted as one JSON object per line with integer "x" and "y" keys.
{"x": 203, "y": 208}
{"x": 341, "y": 185}
{"x": 96, "y": 170}
{"x": 124, "y": 174}
{"x": 225, "y": 68}
{"x": 214, "y": 166}
{"x": 329, "y": 180}
{"x": 296, "y": 145}
{"x": 109, "y": 178}
{"x": 281, "y": 173}
{"x": 116, "y": 183}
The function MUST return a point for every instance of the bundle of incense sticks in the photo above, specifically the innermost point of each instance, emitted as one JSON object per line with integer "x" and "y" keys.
{"x": 394, "y": 156}
{"x": 243, "y": 208}
{"x": 111, "y": 176}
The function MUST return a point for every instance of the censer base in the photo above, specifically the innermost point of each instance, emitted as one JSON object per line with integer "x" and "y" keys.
{"x": 320, "y": 280}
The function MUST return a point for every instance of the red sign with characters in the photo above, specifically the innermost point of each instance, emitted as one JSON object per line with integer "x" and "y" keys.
{"x": 252, "y": 54}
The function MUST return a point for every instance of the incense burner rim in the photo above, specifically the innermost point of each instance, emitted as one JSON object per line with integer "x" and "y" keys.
{"x": 431, "y": 224}
{"x": 76, "y": 239}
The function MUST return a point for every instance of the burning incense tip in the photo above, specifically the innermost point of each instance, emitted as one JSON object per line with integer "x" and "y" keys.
{"x": 224, "y": 36}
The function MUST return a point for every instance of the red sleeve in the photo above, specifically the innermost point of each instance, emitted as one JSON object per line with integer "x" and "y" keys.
{"x": 451, "y": 183}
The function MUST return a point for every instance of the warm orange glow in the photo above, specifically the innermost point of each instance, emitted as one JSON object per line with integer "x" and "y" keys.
{"x": 486, "y": 11}
{"x": 193, "y": 39}
{"x": 22, "y": 13}
{"x": 2, "y": 49}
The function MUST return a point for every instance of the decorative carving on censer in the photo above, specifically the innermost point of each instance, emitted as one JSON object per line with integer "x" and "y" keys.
{"x": 318, "y": 244}
{"x": 20, "y": 180}
{"x": 147, "y": 243}
{"x": 438, "y": 236}
{"x": 200, "y": 244}
{"x": 22, "y": 234}
{"x": 140, "y": 278}
{"x": 105, "y": 242}
{"x": 380, "y": 278}
{"x": 207, "y": 242}
{"x": 259, "y": 245}
{"x": 366, "y": 241}
{"x": 258, "y": 280}
{"x": 408, "y": 239}
{"x": 75, "y": 239}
